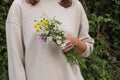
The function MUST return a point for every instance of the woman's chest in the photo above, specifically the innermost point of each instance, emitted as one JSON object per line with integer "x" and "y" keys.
{"x": 67, "y": 16}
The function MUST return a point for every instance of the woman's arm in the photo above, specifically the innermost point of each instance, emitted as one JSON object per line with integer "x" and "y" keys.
{"x": 15, "y": 44}
{"x": 83, "y": 41}
{"x": 75, "y": 42}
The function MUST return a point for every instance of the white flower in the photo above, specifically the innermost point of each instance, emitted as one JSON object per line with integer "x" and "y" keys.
{"x": 46, "y": 32}
{"x": 58, "y": 37}
{"x": 64, "y": 44}
{"x": 55, "y": 28}
{"x": 49, "y": 38}
{"x": 59, "y": 42}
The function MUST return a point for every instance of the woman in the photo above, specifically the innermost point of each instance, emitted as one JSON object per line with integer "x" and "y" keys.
{"x": 30, "y": 59}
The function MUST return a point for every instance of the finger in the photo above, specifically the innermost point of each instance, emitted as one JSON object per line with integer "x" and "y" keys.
{"x": 68, "y": 42}
{"x": 68, "y": 45}
{"x": 68, "y": 48}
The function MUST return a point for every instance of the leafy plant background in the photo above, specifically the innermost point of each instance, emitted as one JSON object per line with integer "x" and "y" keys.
{"x": 104, "y": 62}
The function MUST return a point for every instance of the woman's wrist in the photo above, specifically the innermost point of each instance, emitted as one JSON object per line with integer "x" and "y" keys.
{"x": 81, "y": 45}
{"x": 76, "y": 41}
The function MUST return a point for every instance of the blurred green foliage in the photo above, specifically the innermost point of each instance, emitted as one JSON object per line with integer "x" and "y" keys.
{"x": 104, "y": 62}
{"x": 4, "y": 6}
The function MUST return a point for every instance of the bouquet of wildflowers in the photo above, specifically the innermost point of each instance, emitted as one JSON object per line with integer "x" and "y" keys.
{"x": 48, "y": 29}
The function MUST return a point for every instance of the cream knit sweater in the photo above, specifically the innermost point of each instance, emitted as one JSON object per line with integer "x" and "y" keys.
{"x": 30, "y": 59}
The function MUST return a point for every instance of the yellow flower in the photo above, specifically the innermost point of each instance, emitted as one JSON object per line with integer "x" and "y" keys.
{"x": 40, "y": 26}
{"x": 44, "y": 28}
{"x": 37, "y": 30}
{"x": 36, "y": 25}
{"x": 45, "y": 22}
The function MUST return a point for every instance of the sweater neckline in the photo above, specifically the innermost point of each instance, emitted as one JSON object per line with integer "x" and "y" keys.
{"x": 50, "y": 0}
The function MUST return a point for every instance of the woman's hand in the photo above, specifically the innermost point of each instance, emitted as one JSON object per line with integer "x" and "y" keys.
{"x": 71, "y": 43}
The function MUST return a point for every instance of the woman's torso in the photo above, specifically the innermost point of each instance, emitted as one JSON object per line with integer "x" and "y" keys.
{"x": 44, "y": 61}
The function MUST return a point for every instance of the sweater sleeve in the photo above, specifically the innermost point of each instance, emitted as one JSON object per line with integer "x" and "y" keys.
{"x": 15, "y": 44}
{"x": 84, "y": 32}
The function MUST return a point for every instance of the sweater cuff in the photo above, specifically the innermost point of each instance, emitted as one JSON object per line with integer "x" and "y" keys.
{"x": 87, "y": 51}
